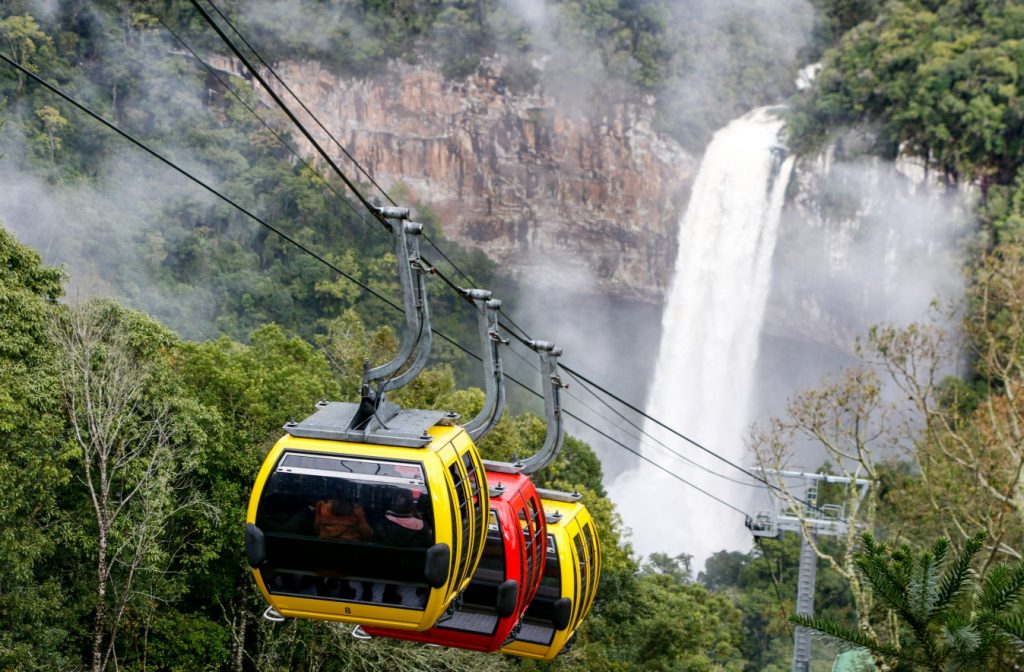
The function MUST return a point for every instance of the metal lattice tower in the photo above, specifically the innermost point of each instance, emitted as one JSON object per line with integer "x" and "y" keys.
{"x": 810, "y": 520}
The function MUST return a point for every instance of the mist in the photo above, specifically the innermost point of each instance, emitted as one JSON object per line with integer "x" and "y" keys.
{"x": 103, "y": 221}
{"x": 864, "y": 242}
{"x": 92, "y": 234}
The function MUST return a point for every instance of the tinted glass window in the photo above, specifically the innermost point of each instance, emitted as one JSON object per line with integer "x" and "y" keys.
{"x": 471, "y": 466}
{"x": 538, "y": 531}
{"x": 537, "y": 627}
{"x": 527, "y": 545}
{"x": 462, "y": 498}
{"x": 591, "y": 578}
{"x": 581, "y": 558}
{"x": 479, "y": 612}
{"x": 347, "y": 529}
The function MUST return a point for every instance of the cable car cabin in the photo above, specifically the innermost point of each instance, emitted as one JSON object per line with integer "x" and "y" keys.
{"x": 507, "y": 577}
{"x": 568, "y": 583}
{"x": 380, "y": 528}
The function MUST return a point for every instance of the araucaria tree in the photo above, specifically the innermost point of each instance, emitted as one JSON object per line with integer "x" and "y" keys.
{"x": 949, "y": 617}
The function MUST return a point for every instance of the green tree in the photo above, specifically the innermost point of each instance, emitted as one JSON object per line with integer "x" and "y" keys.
{"x": 658, "y": 622}
{"x": 950, "y": 618}
{"x": 26, "y": 44}
{"x": 131, "y": 462}
{"x": 937, "y": 80}
{"x": 33, "y": 617}
{"x": 54, "y": 124}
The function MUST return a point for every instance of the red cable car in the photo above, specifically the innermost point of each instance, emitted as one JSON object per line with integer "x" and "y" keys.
{"x": 506, "y": 578}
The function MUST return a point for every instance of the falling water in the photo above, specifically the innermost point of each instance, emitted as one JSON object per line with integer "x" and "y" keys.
{"x": 711, "y": 326}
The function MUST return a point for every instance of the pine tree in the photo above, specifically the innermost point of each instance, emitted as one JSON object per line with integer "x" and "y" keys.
{"x": 949, "y": 616}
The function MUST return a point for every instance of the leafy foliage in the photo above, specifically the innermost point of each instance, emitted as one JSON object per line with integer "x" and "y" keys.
{"x": 951, "y": 618}
{"x": 939, "y": 80}
{"x": 32, "y": 618}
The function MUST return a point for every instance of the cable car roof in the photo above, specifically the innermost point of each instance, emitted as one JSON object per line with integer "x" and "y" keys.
{"x": 390, "y": 425}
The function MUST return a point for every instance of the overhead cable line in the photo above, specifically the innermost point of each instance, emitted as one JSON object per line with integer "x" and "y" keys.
{"x": 227, "y": 86}
{"x": 665, "y": 447}
{"x": 655, "y": 464}
{"x": 638, "y": 437}
{"x": 193, "y": 178}
{"x": 675, "y": 432}
{"x": 312, "y": 116}
{"x": 374, "y": 210}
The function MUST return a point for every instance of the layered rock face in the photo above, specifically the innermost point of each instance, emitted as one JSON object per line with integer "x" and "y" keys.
{"x": 557, "y": 196}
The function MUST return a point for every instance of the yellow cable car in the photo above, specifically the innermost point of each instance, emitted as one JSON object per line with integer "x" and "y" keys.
{"x": 382, "y": 535}
{"x": 369, "y": 513}
{"x": 569, "y": 583}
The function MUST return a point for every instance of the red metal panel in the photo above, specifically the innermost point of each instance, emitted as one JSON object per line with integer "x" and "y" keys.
{"x": 476, "y": 625}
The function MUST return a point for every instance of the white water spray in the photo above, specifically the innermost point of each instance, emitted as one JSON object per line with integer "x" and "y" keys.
{"x": 709, "y": 345}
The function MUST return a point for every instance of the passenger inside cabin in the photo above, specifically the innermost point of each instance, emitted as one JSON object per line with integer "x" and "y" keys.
{"x": 341, "y": 519}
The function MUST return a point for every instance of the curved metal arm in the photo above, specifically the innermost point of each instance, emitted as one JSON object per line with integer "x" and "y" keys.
{"x": 423, "y": 341}
{"x": 494, "y": 376}
{"x": 549, "y": 354}
{"x": 410, "y": 279}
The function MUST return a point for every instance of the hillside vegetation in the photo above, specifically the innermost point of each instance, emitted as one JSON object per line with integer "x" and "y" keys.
{"x": 121, "y": 521}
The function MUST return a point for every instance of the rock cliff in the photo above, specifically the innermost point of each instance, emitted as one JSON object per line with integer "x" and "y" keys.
{"x": 566, "y": 197}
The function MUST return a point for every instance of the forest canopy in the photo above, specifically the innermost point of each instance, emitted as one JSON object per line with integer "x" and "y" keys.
{"x": 140, "y": 564}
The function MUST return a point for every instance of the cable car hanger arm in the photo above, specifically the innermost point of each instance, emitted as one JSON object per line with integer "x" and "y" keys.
{"x": 494, "y": 376}
{"x": 411, "y": 270}
{"x": 549, "y": 354}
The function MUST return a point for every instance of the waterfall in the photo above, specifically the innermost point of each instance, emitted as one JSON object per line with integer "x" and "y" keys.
{"x": 710, "y": 331}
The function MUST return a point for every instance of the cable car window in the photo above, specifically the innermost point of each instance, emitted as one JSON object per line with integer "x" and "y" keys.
{"x": 535, "y": 511}
{"x": 336, "y": 466}
{"x": 473, "y": 477}
{"x": 591, "y": 577}
{"x": 347, "y": 529}
{"x": 479, "y": 612}
{"x": 537, "y": 627}
{"x": 584, "y": 574}
{"x": 462, "y": 494}
{"x": 528, "y": 523}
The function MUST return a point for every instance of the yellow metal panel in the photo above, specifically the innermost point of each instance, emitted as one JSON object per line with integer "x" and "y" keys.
{"x": 433, "y": 457}
{"x": 573, "y": 517}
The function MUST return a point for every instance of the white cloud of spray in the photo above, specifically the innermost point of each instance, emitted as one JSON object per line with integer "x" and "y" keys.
{"x": 866, "y": 242}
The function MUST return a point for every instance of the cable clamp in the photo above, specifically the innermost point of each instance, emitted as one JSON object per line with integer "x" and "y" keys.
{"x": 418, "y": 264}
